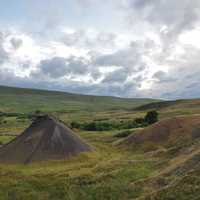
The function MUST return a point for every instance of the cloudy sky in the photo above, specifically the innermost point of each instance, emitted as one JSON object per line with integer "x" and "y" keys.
{"x": 126, "y": 48}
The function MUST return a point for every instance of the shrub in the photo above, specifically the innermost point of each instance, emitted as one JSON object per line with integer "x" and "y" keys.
{"x": 75, "y": 125}
{"x": 151, "y": 117}
{"x": 38, "y": 112}
{"x": 89, "y": 126}
{"x": 105, "y": 126}
{"x": 139, "y": 121}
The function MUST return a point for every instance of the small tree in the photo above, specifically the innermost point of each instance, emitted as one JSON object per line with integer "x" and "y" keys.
{"x": 38, "y": 112}
{"x": 151, "y": 117}
{"x": 75, "y": 125}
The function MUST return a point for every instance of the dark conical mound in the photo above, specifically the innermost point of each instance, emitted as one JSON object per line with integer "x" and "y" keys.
{"x": 166, "y": 133}
{"x": 45, "y": 139}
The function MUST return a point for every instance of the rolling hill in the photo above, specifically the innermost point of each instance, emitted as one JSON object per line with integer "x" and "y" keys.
{"x": 176, "y": 104}
{"x": 159, "y": 162}
{"x": 175, "y": 142}
{"x": 28, "y": 100}
{"x": 166, "y": 134}
{"x": 66, "y": 106}
{"x": 174, "y": 108}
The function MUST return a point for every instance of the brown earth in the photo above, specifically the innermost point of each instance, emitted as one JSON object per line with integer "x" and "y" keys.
{"x": 45, "y": 139}
{"x": 169, "y": 133}
{"x": 177, "y": 143}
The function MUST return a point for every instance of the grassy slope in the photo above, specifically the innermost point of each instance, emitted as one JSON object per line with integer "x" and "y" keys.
{"x": 29, "y": 100}
{"x": 169, "y": 109}
{"x": 109, "y": 173}
{"x": 68, "y": 107}
{"x": 105, "y": 174}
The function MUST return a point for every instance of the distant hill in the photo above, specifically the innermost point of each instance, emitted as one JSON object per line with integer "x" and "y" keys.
{"x": 27, "y": 100}
{"x": 186, "y": 103}
{"x": 156, "y": 105}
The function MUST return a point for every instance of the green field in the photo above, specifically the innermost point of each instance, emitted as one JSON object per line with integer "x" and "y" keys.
{"x": 29, "y": 100}
{"x": 106, "y": 173}
{"x": 68, "y": 107}
{"x": 109, "y": 172}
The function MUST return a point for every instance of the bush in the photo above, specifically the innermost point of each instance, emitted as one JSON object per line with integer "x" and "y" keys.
{"x": 106, "y": 126}
{"x": 75, "y": 125}
{"x": 139, "y": 121}
{"x": 38, "y": 112}
{"x": 151, "y": 117}
{"x": 89, "y": 126}
{"x": 103, "y": 126}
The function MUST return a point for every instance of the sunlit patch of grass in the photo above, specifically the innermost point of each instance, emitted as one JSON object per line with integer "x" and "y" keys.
{"x": 5, "y": 139}
{"x": 105, "y": 173}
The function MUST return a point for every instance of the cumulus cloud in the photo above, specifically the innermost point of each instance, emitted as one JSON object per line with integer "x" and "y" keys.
{"x": 3, "y": 53}
{"x": 162, "y": 77}
{"x": 55, "y": 67}
{"x": 118, "y": 76}
{"x": 176, "y": 15}
{"x": 168, "y": 19}
{"x": 89, "y": 39}
{"x": 155, "y": 53}
{"x": 58, "y": 67}
{"x": 131, "y": 58}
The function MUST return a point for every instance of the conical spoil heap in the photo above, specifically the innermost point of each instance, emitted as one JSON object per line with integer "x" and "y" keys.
{"x": 45, "y": 139}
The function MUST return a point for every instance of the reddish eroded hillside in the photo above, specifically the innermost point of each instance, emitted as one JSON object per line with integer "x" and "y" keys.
{"x": 165, "y": 134}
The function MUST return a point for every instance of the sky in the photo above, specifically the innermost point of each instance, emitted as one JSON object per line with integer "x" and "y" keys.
{"x": 125, "y": 48}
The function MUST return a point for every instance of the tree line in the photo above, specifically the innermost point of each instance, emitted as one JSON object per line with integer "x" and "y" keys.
{"x": 150, "y": 118}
